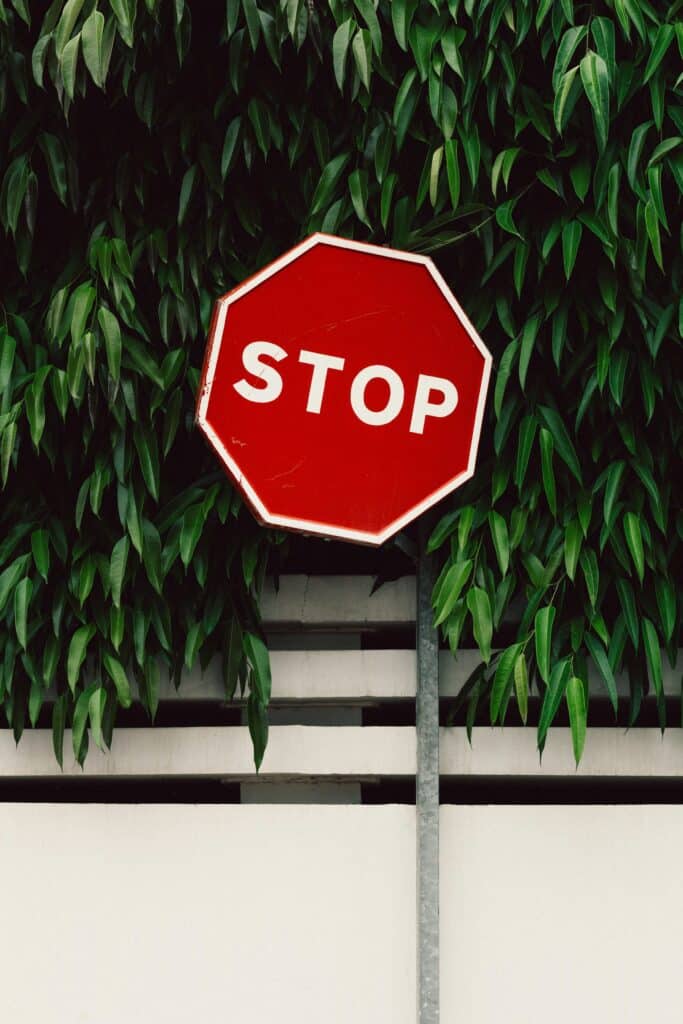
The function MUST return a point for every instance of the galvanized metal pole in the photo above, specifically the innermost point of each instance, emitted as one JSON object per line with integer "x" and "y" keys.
{"x": 427, "y": 797}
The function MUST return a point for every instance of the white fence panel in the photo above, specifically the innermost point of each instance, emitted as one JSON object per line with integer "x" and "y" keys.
{"x": 211, "y": 914}
{"x": 561, "y": 914}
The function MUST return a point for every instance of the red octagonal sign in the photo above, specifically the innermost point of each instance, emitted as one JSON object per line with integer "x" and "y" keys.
{"x": 344, "y": 389}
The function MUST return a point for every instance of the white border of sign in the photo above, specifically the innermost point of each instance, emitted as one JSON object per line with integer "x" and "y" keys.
{"x": 211, "y": 360}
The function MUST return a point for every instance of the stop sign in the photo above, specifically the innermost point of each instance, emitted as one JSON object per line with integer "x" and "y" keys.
{"x": 343, "y": 389}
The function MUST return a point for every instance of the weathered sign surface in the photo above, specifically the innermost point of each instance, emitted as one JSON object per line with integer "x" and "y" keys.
{"x": 344, "y": 389}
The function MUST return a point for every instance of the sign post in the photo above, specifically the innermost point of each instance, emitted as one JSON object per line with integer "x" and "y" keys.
{"x": 427, "y": 788}
{"x": 343, "y": 390}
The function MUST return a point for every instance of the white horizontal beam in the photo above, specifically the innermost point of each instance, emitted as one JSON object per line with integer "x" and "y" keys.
{"x": 220, "y": 751}
{"x": 299, "y": 752}
{"x": 360, "y": 676}
{"x": 335, "y": 676}
{"x": 638, "y": 753}
{"x": 341, "y": 602}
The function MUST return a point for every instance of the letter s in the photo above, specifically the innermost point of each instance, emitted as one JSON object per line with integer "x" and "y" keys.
{"x": 268, "y": 375}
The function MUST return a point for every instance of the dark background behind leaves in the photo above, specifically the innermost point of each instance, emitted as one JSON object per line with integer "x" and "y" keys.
{"x": 153, "y": 154}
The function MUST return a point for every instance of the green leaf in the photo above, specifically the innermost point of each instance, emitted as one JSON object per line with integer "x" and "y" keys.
{"x": 504, "y": 217}
{"x": 366, "y": 9}
{"x": 591, "y": 575}
{"x": 119, "y": 678}
{"x": 58, "y": 726}
{"x": 93, "y": 53}
{"x": 152, "y": 677}
{"x": 452, "y": 171}
{"x": 186, "y": 189}
{"x": 258, "y": 727}
{"x": 521, "y": 686}
{"x": 78, "y": 648}
{"x": 9, "y": 579}
{"x": 597, "y": 653}
{"x": 553, "y": 697}
{"x": 547, "y": 472}
{"x": 112, "y": 341}
{"x": 253, "y": 21}
{"x": 117, "y": 568}
{"x": 358, "y": 187}
{"x": 543, "y": 631}
{"x": 573, "y": 537}
{"x": 7, "y": 442}
{"x": 501, "y": 540}
{"x": 634, "y": 541}
{"x": 388, "y": 187}
{"x": 7, "y": 352}
{"x": 501, "y": 680}
{"x": 602, "y": 30}
{"x": 22, "y": 598}
{"x": 361, "y": 48}
{"x": 563, "y": 443}
{"x": 614, "y": 181}
{"x": 193, "y": 643}
{"x": 81, "y": 305}
{"x": 434, "y": 172}
{"x": 13, "y": 192}
{"x": 567, "y": 48}
{"x": 148, "y": 454}
{"x": 480, "y": 609}
{"x": 652, "y": 225}
{"x": 193, "y": 523}
{"x": 576, "y": 705}
{"x": 527, "y": 433}
{"x": 96, "y": 706}
{"x": 38, "y": 58}
{"x": 635, "y": 150}
{"x": 69, "y": 65}
{"x": 565, "y": 98}
{"x": 125, "y": 16}
{"x": 666, "y": 603}
{"x": 230, "y": 145}
{"x": 328, "y": 182}
{"x": 340, "y": 49}
{"x": 596, "y": 85}
{"x": 628, "y": 605}
{"x": 653, "y": 655}
{"x": 79, "y": 724}
{"x": 663, "y": 148}
{"x": 257, "y": 653}
{"x": 35, "y": 404}
{"x": 66, "y": 23}
{"x": 55, "y": 159}
{"x": 663, "y": 40}
{"x": 571, "y": 239}
{"x": 529, "y": 335}
{"x": 233, "y": 657}
{"x": 404, "y": 106}
{"x": 451, "y": 588}
{"x": 401, "y": 15}
{"x": 504, "y": 371}
{"x": 616, "y": 471}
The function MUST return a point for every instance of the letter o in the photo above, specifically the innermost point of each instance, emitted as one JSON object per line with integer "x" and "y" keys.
{"x": 396, "y": 395}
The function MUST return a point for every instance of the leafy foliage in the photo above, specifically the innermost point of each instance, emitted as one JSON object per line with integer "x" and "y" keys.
{"x": 154, "y": 154}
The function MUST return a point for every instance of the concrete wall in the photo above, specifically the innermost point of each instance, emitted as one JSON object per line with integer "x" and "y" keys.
{"x": 209, "y": 914}
{"x": 306, "y": 914}
{"x": 561, "y": 914}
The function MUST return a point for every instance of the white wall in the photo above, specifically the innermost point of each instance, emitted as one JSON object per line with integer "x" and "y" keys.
{"x": 228, "y": 914}
{"x": 561, "y": 914}
{"x": 306, "y": 914}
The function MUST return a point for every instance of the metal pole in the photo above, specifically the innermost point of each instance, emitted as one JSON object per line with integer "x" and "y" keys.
{"x": 427, "y": 796}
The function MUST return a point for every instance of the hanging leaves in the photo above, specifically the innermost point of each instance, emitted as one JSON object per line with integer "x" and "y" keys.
{"x": 535, "y": 154}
